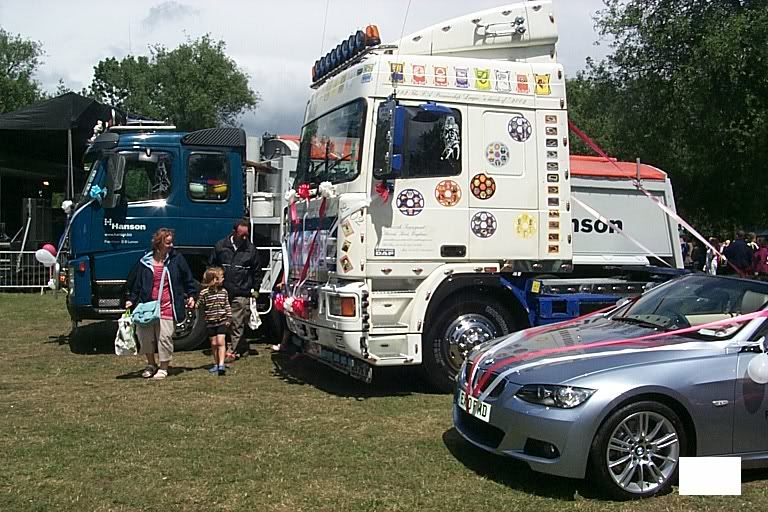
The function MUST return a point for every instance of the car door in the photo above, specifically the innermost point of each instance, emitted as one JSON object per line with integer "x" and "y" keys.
{"x": 751, "y": 402}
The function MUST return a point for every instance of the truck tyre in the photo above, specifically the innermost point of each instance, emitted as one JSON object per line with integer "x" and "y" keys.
{"x": 465, "y": 321}
{"x": 191, "y": 333}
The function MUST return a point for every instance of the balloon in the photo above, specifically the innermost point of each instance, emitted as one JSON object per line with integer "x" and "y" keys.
{"x": 45, "y": 257}
{"x": 299, "y": 307}
{"x": 758, "y": 369}
{"x": 50, "y": 248}
{"x": 279, "y": 302}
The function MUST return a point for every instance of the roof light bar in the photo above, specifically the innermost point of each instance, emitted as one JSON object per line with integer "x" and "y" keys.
{"x": 346, "y": 51}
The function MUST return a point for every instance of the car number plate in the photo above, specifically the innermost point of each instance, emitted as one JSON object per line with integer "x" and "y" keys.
{"x": 476, "y": 408}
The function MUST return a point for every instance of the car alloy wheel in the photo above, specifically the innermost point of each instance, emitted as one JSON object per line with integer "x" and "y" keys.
{"x": 643, "y": 452}
{"x": 637, "y": 449}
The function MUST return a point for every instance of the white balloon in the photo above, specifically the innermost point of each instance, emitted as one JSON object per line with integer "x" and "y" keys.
{"x": 758, "y": 369}
{"x": 45, "y": 257}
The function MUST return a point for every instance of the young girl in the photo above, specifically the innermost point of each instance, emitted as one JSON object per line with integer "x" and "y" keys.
{"x": 218, "y": 314}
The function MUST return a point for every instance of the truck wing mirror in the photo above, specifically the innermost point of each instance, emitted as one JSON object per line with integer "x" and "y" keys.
{"x": 114, "y": 181}
{"x": 115, "y": 173}
{"x": 391, "y": 120}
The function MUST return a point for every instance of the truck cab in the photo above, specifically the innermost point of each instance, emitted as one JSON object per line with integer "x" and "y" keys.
{"x": 142, "y": 179}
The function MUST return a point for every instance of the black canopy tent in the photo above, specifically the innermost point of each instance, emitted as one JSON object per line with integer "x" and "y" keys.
{"x": 46, "y": 141}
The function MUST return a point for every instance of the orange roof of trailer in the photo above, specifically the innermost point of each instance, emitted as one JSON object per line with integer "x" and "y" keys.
{"x": 597, "y": 166}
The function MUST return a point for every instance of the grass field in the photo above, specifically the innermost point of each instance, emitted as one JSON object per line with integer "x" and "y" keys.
{"x": 80, "y": 430}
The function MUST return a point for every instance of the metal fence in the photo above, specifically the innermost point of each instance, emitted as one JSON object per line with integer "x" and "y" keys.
{"x": 21, "y": 270}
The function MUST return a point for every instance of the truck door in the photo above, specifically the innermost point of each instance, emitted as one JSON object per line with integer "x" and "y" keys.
{"x": 426, "y": 215}
{"x": 212, "y": 194}
{"x": 120, "y": 234}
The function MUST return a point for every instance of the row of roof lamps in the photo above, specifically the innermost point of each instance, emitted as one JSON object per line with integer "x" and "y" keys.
{"x": 347, "y": 50}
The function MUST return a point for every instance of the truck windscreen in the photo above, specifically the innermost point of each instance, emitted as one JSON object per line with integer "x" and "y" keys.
{"x": 331, "y": 145}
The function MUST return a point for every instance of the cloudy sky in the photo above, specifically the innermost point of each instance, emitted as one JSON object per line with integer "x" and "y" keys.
{"x": 275, "y": 42}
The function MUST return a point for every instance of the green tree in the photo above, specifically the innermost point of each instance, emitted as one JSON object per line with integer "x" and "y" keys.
{"x": 19, "y": 59}
{"x": 128, "y": 84}
{"x": 683, "y": 89}
{"x": 195, "y": 85}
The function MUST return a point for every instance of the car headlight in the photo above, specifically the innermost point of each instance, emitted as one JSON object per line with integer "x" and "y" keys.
{"x": 563, "y": 397}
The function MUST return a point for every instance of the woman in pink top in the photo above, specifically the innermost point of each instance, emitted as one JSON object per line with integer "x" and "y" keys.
{"x": 178, "y": 291}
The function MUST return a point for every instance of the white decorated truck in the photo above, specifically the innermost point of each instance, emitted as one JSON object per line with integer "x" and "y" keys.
{"x": 436, "y": 204}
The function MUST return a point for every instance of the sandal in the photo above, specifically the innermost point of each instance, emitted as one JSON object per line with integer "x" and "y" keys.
{"x": 160, "y": 375}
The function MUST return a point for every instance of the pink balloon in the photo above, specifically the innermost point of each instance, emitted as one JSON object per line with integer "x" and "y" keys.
{"x": 50, "y": 248}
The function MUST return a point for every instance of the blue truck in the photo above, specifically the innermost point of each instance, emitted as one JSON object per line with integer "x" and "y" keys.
{"x": 144, "y": 178}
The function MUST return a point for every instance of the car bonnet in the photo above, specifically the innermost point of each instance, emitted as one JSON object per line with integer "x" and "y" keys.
{"x": 557, "y": 355}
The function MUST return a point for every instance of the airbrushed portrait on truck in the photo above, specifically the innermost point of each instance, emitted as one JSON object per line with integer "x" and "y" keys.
{"x": 434, "y": 204}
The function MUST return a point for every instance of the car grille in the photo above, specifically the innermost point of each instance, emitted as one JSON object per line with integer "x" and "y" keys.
{"x": 480, "y": 431}
{"x": 497, "y": 390}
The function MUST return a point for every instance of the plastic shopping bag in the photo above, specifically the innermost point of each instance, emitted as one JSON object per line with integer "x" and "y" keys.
{"x": 125, "y": 340}
{"x": 255, "y": 320}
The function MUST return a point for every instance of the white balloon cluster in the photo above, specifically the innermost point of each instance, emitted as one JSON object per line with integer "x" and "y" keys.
{"x": 758, "y": 369}
{"x": 327, "y": 190}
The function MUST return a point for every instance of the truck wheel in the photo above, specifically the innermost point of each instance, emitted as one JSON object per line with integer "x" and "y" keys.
{"x": 456, "y": 331}
{"x": 191, "y": 333}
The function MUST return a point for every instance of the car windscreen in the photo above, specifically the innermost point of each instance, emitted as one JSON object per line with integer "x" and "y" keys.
{"x": 697, "y": 300}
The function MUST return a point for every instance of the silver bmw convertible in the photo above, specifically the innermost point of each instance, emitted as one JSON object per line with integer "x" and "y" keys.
{"x": 620, "y": 396}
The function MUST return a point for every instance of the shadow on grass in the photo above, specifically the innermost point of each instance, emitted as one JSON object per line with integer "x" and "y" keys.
{"x": 302, "y": 370}
{"x": 173, "y": 371}
{"x": 754, "y": 475}
{"x": 89, "y": 339}
{"x": 515, "y": 474}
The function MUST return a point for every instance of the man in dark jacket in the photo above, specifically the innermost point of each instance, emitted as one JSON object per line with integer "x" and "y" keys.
{"x": 739, "y": 254}
{"x": 242, "y": 275}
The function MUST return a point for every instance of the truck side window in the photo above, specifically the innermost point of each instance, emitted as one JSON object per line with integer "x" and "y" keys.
{"x": 432, "y": 144}
{"x": 147, "y": 177}
{"x": 208, "y": 177}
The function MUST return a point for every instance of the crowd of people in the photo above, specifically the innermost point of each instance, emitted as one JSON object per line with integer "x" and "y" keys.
{"x": 232, "y": 278}
{"x": 745, "y": 256}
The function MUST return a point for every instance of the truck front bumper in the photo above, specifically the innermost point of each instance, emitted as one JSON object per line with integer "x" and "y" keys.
{"x": 78, "y": 313}
{"x": 348, "y": 335}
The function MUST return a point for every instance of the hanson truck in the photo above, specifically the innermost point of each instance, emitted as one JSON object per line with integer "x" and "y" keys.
{"x": 142, "y": 178}
{"x": 436, "y": 205}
